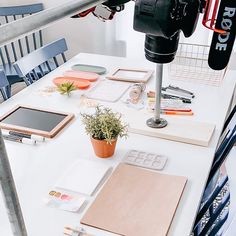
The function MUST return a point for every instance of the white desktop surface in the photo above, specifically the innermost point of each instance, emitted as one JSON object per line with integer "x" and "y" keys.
{"x": 36, "y": 169}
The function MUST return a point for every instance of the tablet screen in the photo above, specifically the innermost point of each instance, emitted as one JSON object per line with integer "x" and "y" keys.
{"x": 34, "y": 119}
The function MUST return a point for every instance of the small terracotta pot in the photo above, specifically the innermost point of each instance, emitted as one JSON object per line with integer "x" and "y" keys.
{"x": 102, "y": 148}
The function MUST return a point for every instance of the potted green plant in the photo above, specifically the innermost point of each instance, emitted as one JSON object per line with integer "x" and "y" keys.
{"x": 104, "y": 127}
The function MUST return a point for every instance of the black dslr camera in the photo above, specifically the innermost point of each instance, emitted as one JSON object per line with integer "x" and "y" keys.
{"x": 161, "y": 21}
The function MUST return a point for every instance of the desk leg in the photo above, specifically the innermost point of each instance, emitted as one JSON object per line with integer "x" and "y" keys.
{"x": 9, "y": 193}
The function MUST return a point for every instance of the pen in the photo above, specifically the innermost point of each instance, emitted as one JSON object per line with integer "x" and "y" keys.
{"x": 18, "y": 139}
{"x": 165, "y": 96}
{"x": 151, "y": 96}
{"x": 173, "y": 109}
{"x": 176, "y": 113}
{"x": 184, "y": 100}
{"x": 180, "y": 89}
{"x": 177, "y": 93}
{"x": 22, "y": 135}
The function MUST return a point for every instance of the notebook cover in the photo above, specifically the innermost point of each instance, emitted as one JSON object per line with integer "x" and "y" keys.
{"x": 74, "y": 177}
{"x": 136, "y": 201}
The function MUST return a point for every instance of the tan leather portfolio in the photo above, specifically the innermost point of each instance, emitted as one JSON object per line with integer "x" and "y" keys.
{"x": 136, "y": 202}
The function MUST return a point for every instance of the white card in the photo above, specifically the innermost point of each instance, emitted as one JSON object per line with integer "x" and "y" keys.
{"x": 83, "y": 177}
{"x": 108, "y": 90}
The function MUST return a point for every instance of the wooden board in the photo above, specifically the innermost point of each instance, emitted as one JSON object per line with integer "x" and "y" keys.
{"x": 20, "y": 121}
{"x": 136, "y": 202}
{"x": 179, "y": 128}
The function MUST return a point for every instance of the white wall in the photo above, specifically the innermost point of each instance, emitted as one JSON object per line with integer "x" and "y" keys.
{"x": 82, "y": 35}
{"x": 85, "y": 34}
{"x": 135, "y": 41}
{"x": 115, "y": 37}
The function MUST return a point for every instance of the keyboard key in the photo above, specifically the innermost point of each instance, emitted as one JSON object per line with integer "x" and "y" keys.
{"x": 142, "y": 154}
{"x": 156, "y": 163}
{"x": 133, "y": 153}
{"x": 131, "y": 158}
{"x": 147, "y": 162}
{"x": 151, "y": 156}
{"x": 139, "y": 160}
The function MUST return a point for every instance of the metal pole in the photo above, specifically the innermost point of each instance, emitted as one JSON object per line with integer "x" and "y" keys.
{"x": 9, "y": 193}
{"x": 156, "y": 121}
{"x": 159, "y": 75}
{"x": 20, "y": 28}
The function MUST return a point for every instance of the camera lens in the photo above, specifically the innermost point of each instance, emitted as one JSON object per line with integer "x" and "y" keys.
{"x": 160, "y": 49}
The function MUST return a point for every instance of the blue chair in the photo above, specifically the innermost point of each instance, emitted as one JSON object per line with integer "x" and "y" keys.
{"x": 41, "y": 61}
{"x": 214, "y": 209}
{"x": 12, "y": 52}
{"x": 4, "y": 86}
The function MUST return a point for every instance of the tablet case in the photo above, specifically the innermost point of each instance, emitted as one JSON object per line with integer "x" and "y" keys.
{"x": 136, "y": 201}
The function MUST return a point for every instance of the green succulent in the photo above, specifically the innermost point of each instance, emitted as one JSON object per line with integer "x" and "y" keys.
{"x": 104, "y": 124}
{"x": 66, "y": 88}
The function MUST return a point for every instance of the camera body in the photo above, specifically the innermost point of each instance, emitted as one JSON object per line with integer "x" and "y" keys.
{"x": 162, "y": 21}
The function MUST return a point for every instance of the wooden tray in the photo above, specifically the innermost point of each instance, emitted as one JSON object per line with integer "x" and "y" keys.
{"x": 92, "y": 77}
{"x": 79, "y": 83}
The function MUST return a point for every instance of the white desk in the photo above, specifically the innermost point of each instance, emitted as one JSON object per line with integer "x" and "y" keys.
{"x": 37, "y": 168}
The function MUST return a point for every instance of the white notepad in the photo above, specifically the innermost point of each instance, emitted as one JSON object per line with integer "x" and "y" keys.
{"x": 83, "y": 177}
{"x": 108, "y": 90}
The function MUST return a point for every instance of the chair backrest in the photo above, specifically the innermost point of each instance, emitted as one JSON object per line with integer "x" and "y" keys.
{"x": 15, "y": 50}
{"x": 4, "y": 86}
{"x": 227, "y": 141}
{"x": 31, "y": 66}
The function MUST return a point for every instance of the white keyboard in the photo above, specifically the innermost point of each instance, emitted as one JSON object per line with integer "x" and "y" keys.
{"x": 145, "y": 159}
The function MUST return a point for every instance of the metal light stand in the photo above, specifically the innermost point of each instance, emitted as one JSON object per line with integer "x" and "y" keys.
{"x": 10, "y": 32}
{"x": 156, "y": 121}
{"x": 9, "y": 193}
